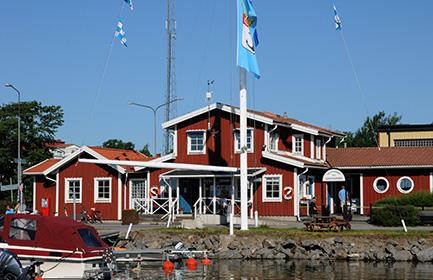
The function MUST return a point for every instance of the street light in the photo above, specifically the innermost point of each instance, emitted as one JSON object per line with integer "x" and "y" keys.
{"x": 155, "y": 110}
{"x": 19, "y": 168}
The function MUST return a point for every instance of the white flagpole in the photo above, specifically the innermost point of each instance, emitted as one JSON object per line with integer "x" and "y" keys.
{"x": 243, "y": 146}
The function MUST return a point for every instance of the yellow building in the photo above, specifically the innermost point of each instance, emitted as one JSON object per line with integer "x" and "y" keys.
{"x": 406, "y": 135}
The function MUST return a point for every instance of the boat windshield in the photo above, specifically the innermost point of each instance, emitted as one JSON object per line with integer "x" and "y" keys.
{"x": 89, "y": 238}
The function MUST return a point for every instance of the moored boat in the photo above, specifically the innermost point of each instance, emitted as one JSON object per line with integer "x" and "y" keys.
{"x": 66, "y": 248}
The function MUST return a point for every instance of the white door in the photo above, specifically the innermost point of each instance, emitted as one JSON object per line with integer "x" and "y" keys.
{"x": 138, "y": 194}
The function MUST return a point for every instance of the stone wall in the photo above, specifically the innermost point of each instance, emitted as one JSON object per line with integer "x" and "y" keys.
{"x": 262, "y": 246}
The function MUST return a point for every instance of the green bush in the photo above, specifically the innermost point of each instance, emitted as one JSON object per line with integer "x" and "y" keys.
{"x": 391, "y": 215}
{"x": 417, "y": 199}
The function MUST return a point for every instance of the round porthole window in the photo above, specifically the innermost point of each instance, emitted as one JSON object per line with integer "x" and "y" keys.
{"x": 381, "y": 185}
{"x": 405, "y": 184}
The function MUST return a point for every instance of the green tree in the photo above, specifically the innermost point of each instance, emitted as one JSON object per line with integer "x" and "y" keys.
{"x": 146, "y": 151}
{"x": 118, "y": 144}
{"x": 366, "y": 136}
{"x": 39, "y": 125}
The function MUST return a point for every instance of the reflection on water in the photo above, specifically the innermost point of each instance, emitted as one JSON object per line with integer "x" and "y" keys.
{"x": 237, "y": 269}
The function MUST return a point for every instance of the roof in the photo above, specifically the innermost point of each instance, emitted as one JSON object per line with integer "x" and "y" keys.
{"x": 176, "y": 173}
{"x": 42, "y": 166}
{"x": 405, "y": 127}
{"x": 297, "y": 161}
{"x": 389, "y": 157}
{"x": 57, "y": 144}
{"x": 265, "y": 117}
{"x": 48, "y": 166}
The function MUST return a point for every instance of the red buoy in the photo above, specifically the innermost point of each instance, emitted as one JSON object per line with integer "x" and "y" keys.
{"x": 167, "y": 265}
{"x": 39, "y": 278}
{"x": 206, "y": 261}
{"x": 191, "y": 264}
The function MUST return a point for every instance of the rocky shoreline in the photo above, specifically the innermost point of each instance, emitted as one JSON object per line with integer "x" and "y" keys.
{"x": 298, "y": 247}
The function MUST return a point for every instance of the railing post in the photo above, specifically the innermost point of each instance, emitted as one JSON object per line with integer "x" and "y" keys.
{"x": 214, "y": 196}
{"x": 200, "y": 195}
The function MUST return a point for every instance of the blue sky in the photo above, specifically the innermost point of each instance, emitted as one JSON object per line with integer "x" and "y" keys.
{"x": 55, "y": 52}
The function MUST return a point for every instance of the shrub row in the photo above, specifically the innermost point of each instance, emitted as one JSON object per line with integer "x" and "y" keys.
{"x": 391, "y": 215}
{"x": 417, "y": 199}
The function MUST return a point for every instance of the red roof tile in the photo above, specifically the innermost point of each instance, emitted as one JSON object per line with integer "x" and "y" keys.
{"x": 375, "y": 157}
{"x": 120, "y": 154}
{"x": 42, "y": 166}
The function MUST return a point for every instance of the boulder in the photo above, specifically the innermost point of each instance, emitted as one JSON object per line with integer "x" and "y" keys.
{"x": 269, "y": 243}
{"x": 402, "y": 256}
{"x": 288, "y": 244}
{"x": 425, "y": 255}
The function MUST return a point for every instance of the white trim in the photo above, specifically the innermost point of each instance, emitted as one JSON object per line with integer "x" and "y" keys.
{"x": 66, "y": 188}
{"x": 264, "y": 181}
{"x": 294, "y": 136}
{"x": 303, "y": 191}
{"x": 175, "y": 142}
{"x": 188, "y": 140}
{"x": 36, "y": 165}
{"x": 95, "y": 189}
{"x": 333, "y": 175}
{"x": 119, "y": 195}
{"x": 203, "y": 110}
{"x": 399, "y": 182}
{"x": 251, "y": 149}
{"x": 295, "y": 193}
{"x": 375, "y": 185}
{"x": 282, "y": 159}
{"x": 163, "y": 165}
{"x": 34, "y": 194}
{"x": 130, "y": 193}
{"x": 312, "y": 150}
{"x": 304, "y": 129}
{"x": 431, "y": 182}
{"x": 57, "y": 193}
{"x": 361, "y": 194}
{"x": 165, "y": 158}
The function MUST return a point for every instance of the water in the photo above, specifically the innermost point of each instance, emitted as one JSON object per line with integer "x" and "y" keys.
{"x": 317, "y": 270}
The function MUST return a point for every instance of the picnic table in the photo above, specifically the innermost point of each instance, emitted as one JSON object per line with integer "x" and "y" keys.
{"x": 327, "y": 223}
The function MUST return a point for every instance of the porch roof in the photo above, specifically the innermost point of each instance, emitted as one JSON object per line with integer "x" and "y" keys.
{"x": 176, "y": 173}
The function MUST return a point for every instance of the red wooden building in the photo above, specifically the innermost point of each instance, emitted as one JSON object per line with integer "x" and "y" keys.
{"x": 289, "y": 163}
{"x": 108, "y": 188}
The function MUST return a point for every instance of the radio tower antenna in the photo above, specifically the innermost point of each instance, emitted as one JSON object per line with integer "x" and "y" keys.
{"x": 170, "y": 95}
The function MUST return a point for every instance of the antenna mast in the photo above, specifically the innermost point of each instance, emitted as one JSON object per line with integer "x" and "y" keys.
{"x": 170, "y": 109}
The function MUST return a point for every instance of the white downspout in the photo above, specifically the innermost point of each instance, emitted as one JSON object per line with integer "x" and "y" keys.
{"x": 324, "y": 147}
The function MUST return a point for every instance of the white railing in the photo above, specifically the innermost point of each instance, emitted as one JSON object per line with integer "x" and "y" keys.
{"x": 214, "y": 205}
{"x": 172, "y": 212}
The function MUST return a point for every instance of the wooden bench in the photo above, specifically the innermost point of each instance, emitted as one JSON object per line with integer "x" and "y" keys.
{"x": 327, "y": 223}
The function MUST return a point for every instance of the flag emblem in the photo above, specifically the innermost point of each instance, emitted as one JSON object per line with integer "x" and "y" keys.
{"x": 120, "y": 33}
{"x": 247, "y": 37}
{"x": 337, "y": 19}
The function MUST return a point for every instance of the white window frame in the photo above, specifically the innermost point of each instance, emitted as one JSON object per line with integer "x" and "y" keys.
{"x": 96, "y": 199}
{"x": 277, "y": 140}
{"x": 399, "y": 182}
{"x": 191, "y": 152}
{"x": 249, "y": 150}
{"x": 375, "y": 185}
{"x": 294, "y": 144}
{"x": 67, "y": 199}
{"x": 303, "y": 186}
{"x": 318, "y": 148}
{"x": 264, "y": 184}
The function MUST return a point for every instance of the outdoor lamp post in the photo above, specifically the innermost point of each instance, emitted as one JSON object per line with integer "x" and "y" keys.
{"x": 19, "y": 168}
{"x": 155, "y": 110}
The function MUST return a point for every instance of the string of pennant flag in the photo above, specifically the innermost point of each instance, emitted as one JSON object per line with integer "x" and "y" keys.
{"x": 120, "y": 32}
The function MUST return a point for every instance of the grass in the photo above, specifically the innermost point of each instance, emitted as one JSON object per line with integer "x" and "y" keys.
{"x": 293, "y": 232}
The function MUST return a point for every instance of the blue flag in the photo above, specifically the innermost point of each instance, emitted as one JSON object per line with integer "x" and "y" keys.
{"x": 337, "y": 19}
{"x": 247, "y": 37}
{"x": 120, "y": 33}
{"x": 130, "y": 4}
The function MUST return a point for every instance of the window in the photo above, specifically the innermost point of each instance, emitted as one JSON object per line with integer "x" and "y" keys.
{"x": 250, "y": 142}
{"x": 414, "y": 143}
{"x": 298, "y": 144}
{"x": 381, "y": 185}
{"x": 318, "y": 148}
{"x": 73, "y": 185}
{"x": 307, "y": 186}
{"x": 272, "y": 188}
{"x": 196, "y": 142}
{"x": 405, "y": 184}
{"x": 22, "y": 229}
{"x": 102, "y": 190}
{"x": 89, "y": 238}
{"x": 273, "y": 141}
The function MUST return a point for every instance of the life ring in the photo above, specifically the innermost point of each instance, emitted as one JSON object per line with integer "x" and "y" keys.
{"x": 287, "y": 191}
{"x": 154, "y": 191}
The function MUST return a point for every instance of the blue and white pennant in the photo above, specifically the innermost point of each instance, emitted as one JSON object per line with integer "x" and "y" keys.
{"x": 120, "y": 33}
{"x": 337, "y": 19}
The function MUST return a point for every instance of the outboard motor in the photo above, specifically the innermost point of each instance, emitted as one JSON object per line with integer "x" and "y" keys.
{"x": 11, "y": 268}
